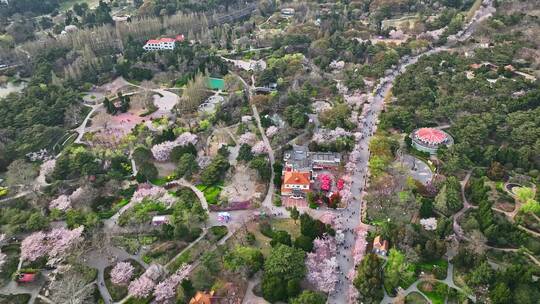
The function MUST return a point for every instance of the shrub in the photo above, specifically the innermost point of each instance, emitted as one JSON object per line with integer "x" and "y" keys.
{"x": 266, "y": 229}
{"x": 218, "y": 232}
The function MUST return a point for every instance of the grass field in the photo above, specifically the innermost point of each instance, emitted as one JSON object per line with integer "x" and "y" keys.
{"x": 435, "y": 292}
{"x": 415, "y": 298}
{"x": 211, "y": 193}
{"x": 435, "y": 267}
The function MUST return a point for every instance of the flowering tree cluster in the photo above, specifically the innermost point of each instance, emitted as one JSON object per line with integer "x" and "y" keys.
{"x": 259, "y": 148}
{"x": 360, "y": 245}
{"x": 147, "y": 191}
{"x": 322, "y": 266}
{"x": 141, "y": 287}
{"x": 271, "y": 131}
{"x": 63, "y": 203}
{"x": 429, "y": 224}
{"x": 122, "y": 273}
{"x": 162, "y": 151}
{"x": 56, "y": 244}
{"x": 396, "y": 34}
{"x": 47, "y": 167}
{"x": 247, "y": 138}
{"x": 327, "y": 136}
{"x": 165, "y": 291}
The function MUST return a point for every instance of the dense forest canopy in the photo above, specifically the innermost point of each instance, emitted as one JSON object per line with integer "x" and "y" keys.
{"x": 487, "y": 122}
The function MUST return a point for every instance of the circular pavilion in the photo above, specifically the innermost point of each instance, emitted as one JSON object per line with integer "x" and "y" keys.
{"x": 430, "y": 139}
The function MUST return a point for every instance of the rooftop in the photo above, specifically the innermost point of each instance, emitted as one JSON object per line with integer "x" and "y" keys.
{"x": 431, "y": 135}
{"x": 297, "y": 178}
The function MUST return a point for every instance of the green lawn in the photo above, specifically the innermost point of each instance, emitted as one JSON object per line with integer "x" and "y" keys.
{"x": 415, "y": 298}
{"x": 211, "y": 193}
{"x": 117, "y": 206}
{"x": 436, "y": 293}
{"x": 287, "y": 225}
{"x": 438, "y": 268}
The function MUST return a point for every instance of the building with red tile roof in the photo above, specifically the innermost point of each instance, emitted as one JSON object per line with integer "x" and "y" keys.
{"x": 162, "y": 43}
{"x": 296, "y": 184}
{"x": 203, "y": 298}
{"x": 380, "y": 246}
{"x": 430, "y": 139}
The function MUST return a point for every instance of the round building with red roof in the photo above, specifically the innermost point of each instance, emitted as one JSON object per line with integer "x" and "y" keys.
{"x": 430, "y": 139}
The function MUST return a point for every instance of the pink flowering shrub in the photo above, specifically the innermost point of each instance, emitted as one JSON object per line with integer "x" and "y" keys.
{"x": 122, "y": 273}
{"x": 141, "y": 288}
{"x": 322, "y": 266}
{"x": 247, "y": 138}
{"x": 326, "y": 182}
{"x": 259, "y": 148}
{"x": 271, "y": 131}
{"x": 63, "y": 203}
{"x": 56, "y": 244}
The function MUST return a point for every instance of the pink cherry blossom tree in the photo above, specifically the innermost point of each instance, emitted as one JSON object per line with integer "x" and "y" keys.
{"x": 322, "y": 266}
{"x": 47, "y": 167}
{"x": 165, "y": 291}
{"x": 259, "y": 148}
{"x": 141, "y": 288}
{"x": 247, "y": 138}
{"x": 56, "y": 244}
{"x": 122, "y": 273}
{"x": 34, "y": 246}
{"x": 429, "y": 224}
{"x": 147, "y": 191}
{"x": 271, "y": 131}
{"x": 61, "y": 241}
{"x": 323, "y": 136}
{"x": 78, "y": 194}
{"x": 186, "y": 138}
{"x": 63, "y": 203}
{"x": 162, "y": 151}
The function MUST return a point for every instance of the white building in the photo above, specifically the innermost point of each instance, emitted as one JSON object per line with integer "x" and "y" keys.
{"x": 162, "y": 44}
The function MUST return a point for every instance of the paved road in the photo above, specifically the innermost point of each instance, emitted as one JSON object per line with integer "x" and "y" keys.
{"x": 350, "y": 218}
